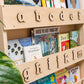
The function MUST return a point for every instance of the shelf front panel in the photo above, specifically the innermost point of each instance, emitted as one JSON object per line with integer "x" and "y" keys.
{"x": 81, "y": 81}
{"x": 30, "y": 17}
{"x": 39, "y": 68}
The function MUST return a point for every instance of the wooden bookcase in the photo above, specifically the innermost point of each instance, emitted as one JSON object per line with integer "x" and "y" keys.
{"x": 18, "y": 22}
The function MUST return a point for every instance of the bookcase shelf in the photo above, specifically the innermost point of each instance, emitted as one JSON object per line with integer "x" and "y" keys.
{"x": 18, "y": 24}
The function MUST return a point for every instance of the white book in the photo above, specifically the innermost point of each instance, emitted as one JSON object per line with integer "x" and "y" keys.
{"x": 75, "y": 72}
{"x": 32, "y": 52}
{"x": 57, "y": 3}
{"x": 48, "y": 3}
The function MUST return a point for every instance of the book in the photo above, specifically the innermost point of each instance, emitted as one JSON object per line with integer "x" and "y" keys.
{"x": 51, "y": 5}
{"x": 63, "y": 42}
{"x": 24, "y": 2}
{"x": 15, "y": 51}
{"x": 32, "y": 52}
{"x": 70, "y": 80}
{"x": 43, "y": 2}
{"x": 75, "y": 72}
{"x": 73, "y": 4}
{"x": 61, "y": 76}
{"x": 33, "y": 83}
{"x": 50, "y": 79}
{"x": 74, "y": 39}
{"x": 62, "y": 3}
{"x": 57, "y": 3}
{"x": 47, "y": 3}
{"x": 45, "y": 37}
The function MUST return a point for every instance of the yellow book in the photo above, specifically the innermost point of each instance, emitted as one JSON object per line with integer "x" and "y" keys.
{"x": 43, "y": 3}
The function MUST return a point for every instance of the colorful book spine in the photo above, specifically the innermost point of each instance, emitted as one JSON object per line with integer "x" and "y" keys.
{"x": 74, "y": 39}
{"x": 63, "y": 42}
{"x": 50, "y": 79}
{"x": 51, "y": 5}
{"x": 43, "y": 3}
{"x": 63, "y": 3}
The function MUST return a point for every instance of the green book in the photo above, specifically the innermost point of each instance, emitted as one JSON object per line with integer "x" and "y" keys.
{"x": 74, "y": 39}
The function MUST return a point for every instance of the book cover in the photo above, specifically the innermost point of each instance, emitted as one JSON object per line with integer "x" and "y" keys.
{"x": 26, "y": 41}
{"x": 62, "y": 3}
{"x": 24, "y": 2}
{"x": 57, "y": 3}
{"x": 33, "y": 83}
{"x": 43, "y": 2}
{"x": 73, "y": 4}
{"x": 70, "y": 80}
{"x": 32, "y": 52}
{"x": 51, "y": 5}
{"x": 75, "y": 72}
{"x": 47, "y": 3}
{"x": 74, "y": 39}
{"x": 61, "y": 76}
{"x": 15, "y": 51}
{"x": 63, "y": 42}
{"x": 50, "y": 79}
{"x": 45, "y": 37}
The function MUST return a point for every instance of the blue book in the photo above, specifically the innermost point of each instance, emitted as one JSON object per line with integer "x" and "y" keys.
{"x": 73, "y": 4}
{"x": 33, "y": 83}
{"x": 24, "y": 2}
{"x": 26, "y": 41}
{"x": 50, "y": 79}
{"x": 70, "y": 80}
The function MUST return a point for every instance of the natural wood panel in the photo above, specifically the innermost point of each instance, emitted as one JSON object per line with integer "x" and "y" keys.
{"x": 28, "y": 18}
{"x": 49, "y": 64}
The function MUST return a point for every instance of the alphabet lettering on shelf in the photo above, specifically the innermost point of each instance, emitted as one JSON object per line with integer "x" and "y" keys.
{"x": 20, "y": 18}
{"x": 71, "y": 16}
{"x": 82, "y": 82}
{"x": 79, "y": 15}
{"x": 57, "y": 61}
{"x": 66, "y": 58}
{"x": 25, "y": 75}
{"x": 38, "y": 68}
{"x": 79, "y": 54}
{"x": 37, "y": 16}
{"x": 61, "y": 15}
{"x": 48, "y": 63}
{"x": 51, "y": 16}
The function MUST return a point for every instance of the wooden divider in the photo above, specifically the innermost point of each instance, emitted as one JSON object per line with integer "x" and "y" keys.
{"x": 39, "y": 68}
{"x": 23, "y": 16}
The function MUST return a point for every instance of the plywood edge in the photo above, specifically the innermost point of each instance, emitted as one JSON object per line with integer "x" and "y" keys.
{"x": 50, "y": 64}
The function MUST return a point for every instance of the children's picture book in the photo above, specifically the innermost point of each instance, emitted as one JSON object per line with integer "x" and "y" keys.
{"x": 63, "y": 42}
{"x": 43, "y": 2}
{"x": 75, "y": 72}
{"x": 74, "y": 39}
{"x": 15, "y": 51}
{"x": 47, "y": 3}
{"x": 50, "y": 79}
{"x": 57, "y": 3}
{"x": 70, "y": 80}
{"x": 32, "y": 52}
{"x": 24, "y": 2}
{"x": 62, "y": 3}
{"x": 73, "y": 4}
{"x": 33, "y": 83}
{"x": 47, "y": 38}
{"x": 26, "y": 41}
{"x": 61, "y": 76}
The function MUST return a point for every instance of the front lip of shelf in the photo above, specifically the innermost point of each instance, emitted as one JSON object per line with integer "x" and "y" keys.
{"x": 51, "y": 63}
{"x": 81, "y": 81}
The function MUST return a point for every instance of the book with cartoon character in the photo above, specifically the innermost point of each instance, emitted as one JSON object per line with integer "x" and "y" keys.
{"x": 50, "y": 79}
{"x": 75, "y": 71}
{"x": 24, "y": 2}
{"x": 61, "y": 76}
{"x": 74, "y": 39}
{"x": 45, "y": 37}
{"x": 63, "y": 42}
{"x": 70, "y": 80}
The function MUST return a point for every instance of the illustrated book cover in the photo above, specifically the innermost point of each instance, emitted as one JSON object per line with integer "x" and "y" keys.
{"x": 73, "y": 4}
{"x": 61, "y": 76}
{"x": 74, "y": 39}
{"x": 75, "y": 72}
{"x": 63, "y": 42}
{"x": 50, "y": 79}
{"x": 62, "y": 3}
{"x": 32, "y": 52}
{"x": 47, "y": 38}
{"x": 23, "y": 2}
